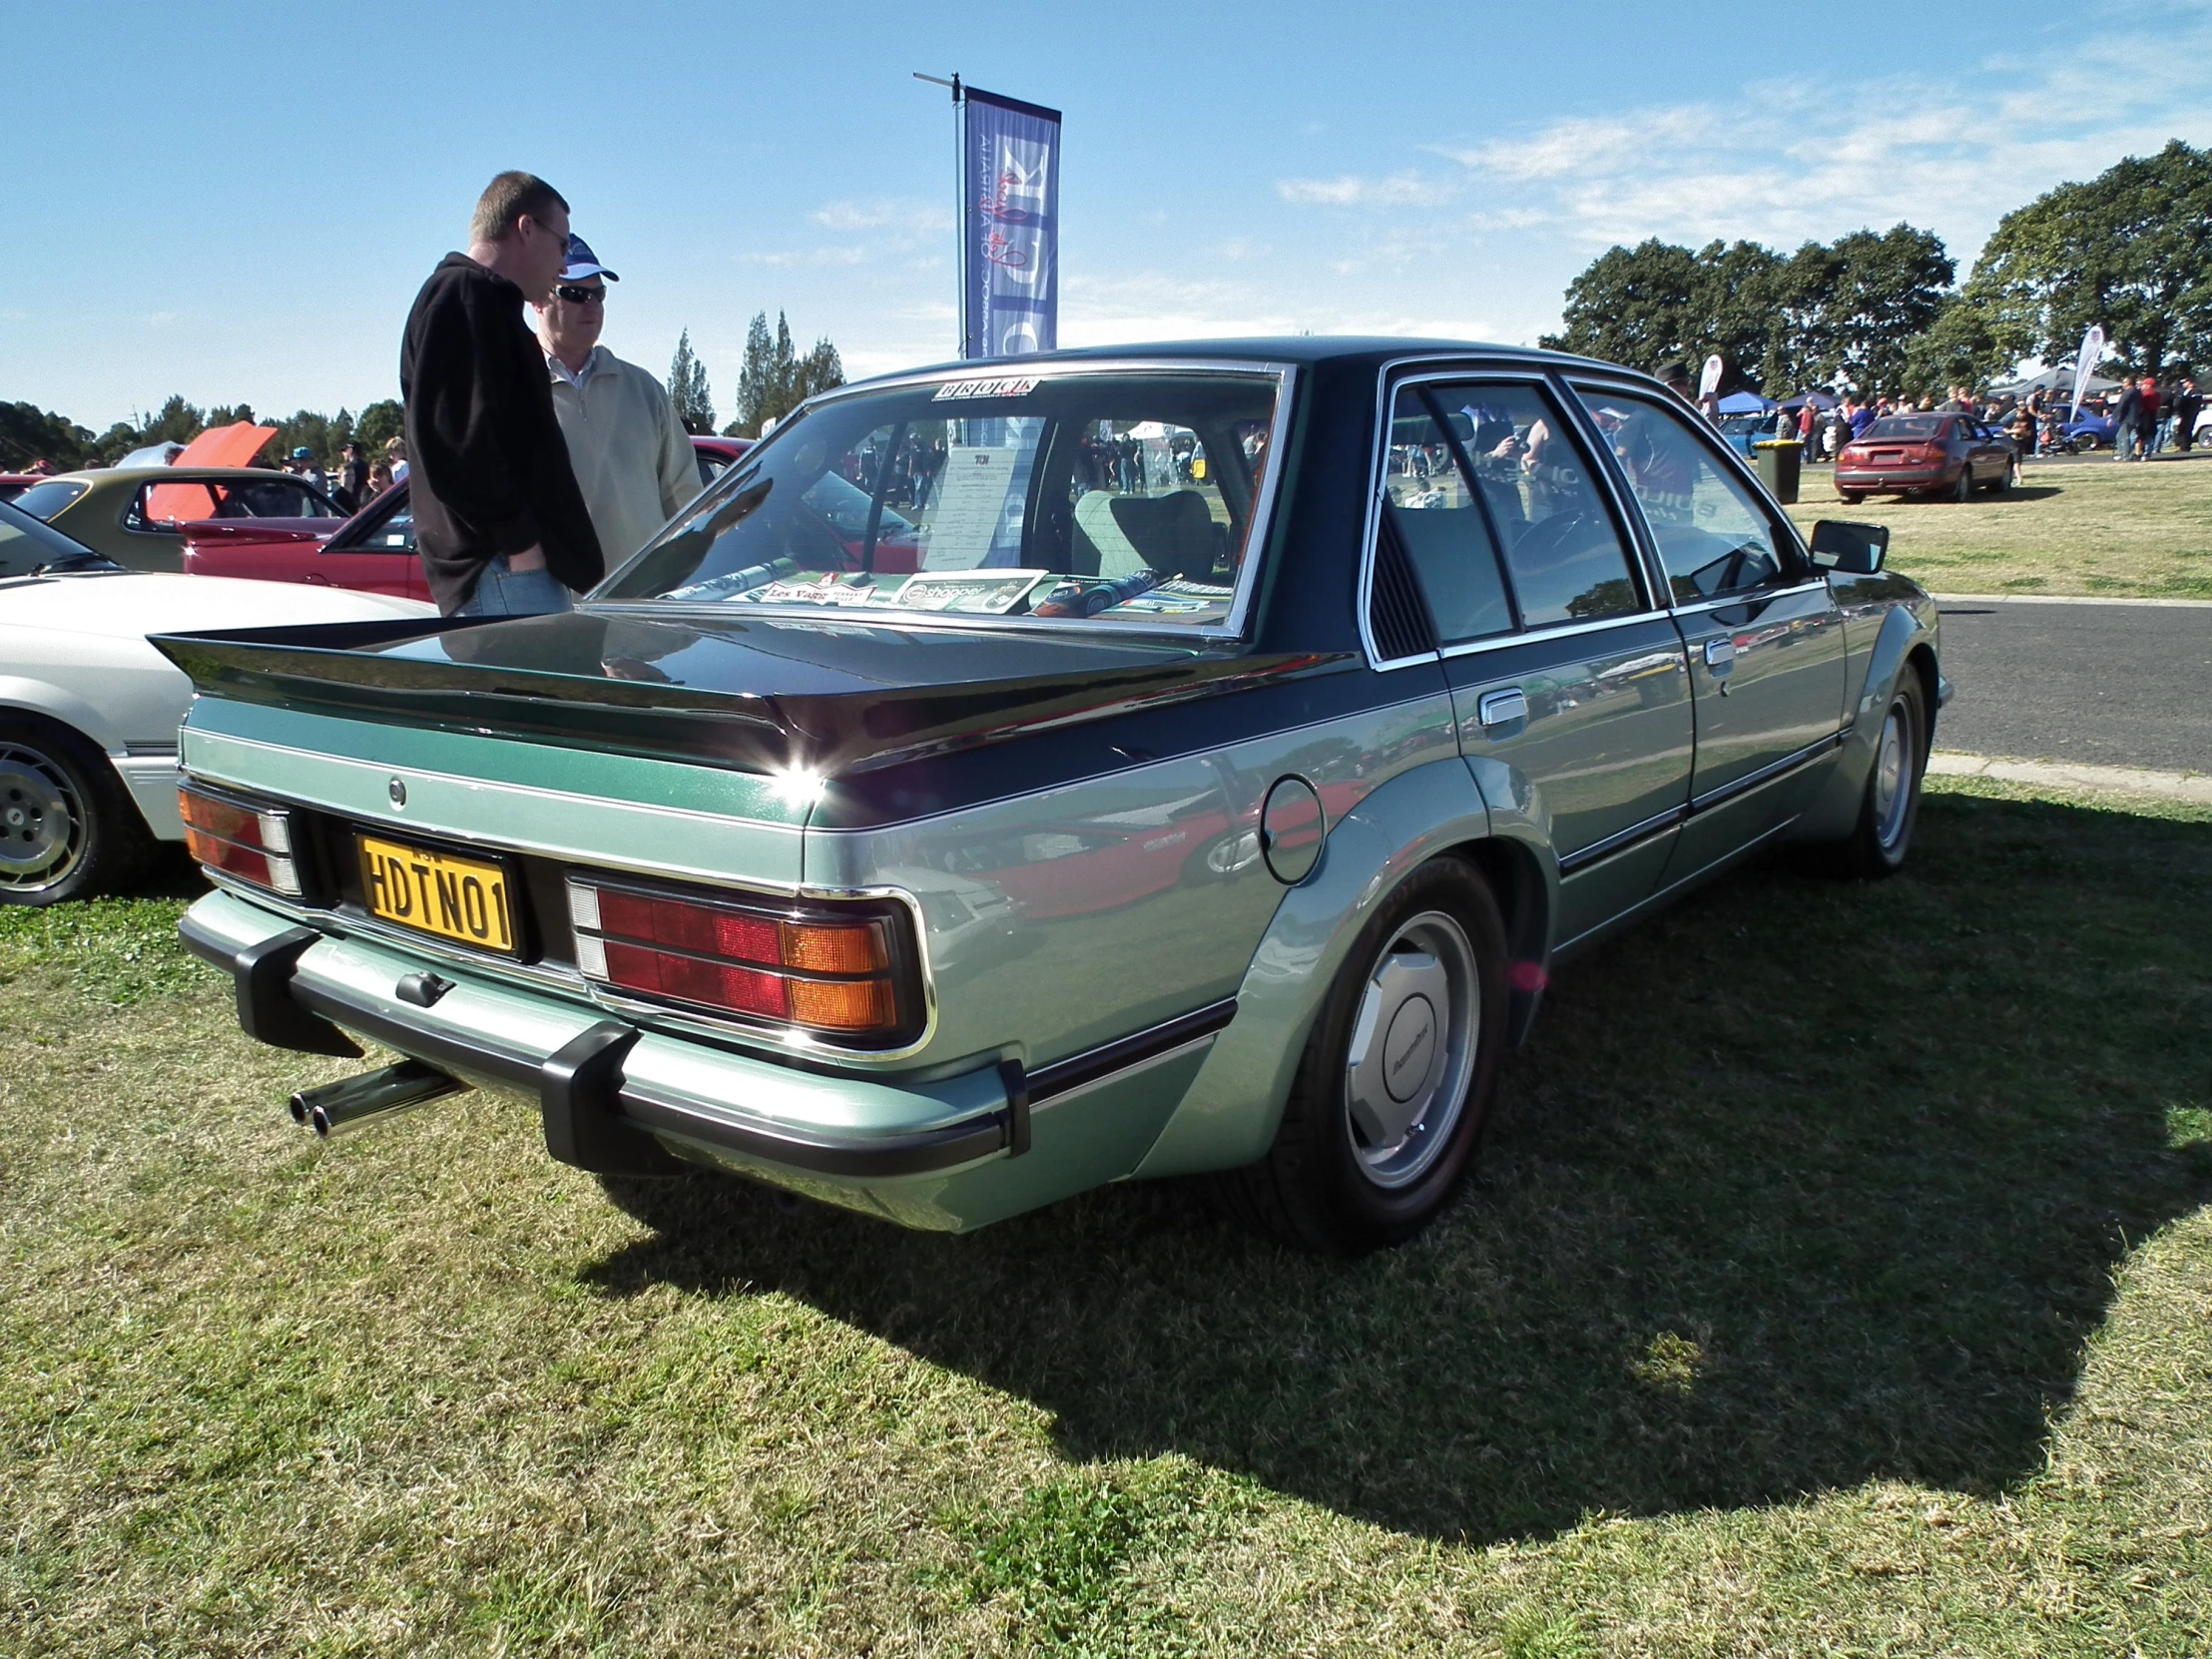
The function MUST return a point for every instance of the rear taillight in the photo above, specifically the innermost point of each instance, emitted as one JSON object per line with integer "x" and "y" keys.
{"x": 251, "y": 842}
{"x": 812, "y": 969}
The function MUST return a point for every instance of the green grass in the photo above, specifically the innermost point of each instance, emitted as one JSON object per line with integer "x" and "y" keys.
{"x": 2090, "y": 527}
{"x": 1838, "y": 1279}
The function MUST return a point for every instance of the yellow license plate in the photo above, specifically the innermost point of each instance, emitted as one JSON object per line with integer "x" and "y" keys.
{"x": 462, "y": 899}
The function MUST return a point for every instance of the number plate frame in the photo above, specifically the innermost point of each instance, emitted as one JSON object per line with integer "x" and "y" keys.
{"x": 505, "y": 867}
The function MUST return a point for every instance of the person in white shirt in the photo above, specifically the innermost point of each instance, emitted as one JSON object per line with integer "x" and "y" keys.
{"x": 630, "y": 451}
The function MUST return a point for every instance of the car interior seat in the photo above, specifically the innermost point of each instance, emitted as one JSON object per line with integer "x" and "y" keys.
{"x": 1172, "y": 534}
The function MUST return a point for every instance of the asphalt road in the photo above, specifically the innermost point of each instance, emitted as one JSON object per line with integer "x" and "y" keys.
{"x": 2109, "y": 685}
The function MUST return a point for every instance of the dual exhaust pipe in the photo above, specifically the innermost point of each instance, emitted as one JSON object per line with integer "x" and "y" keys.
{"x": 335, "y": 1107}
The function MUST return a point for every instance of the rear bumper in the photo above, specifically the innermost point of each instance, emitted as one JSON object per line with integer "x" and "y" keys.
{"x": 1876, "y": 481}
{"x": 937, "y": 1151}
{"x": 295, "y": 986}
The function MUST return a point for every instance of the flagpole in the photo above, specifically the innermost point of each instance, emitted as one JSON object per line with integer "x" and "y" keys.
{"x": 960, "y": 217}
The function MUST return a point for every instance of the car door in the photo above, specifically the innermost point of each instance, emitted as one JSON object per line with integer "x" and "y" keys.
{"x": 1567, "y": 679}
{"x": 1764, "y": 634}
{"x": 376, "y": 553}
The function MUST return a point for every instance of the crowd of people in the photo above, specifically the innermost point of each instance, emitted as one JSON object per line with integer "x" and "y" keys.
{"x": 2147, "y": 419}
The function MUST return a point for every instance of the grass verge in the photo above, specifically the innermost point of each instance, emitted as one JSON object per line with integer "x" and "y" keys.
{"x": 2089, "y": 528}
{"x": 1838, "y": 1280}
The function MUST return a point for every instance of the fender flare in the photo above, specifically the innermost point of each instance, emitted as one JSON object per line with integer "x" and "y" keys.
{"x": 1835, "y": 809}
{"x": 40, "y": 696}
{"x": 1229, "y": 1115}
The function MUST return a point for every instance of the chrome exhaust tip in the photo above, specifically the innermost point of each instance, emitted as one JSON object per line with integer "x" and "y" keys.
{"x": 353, "y": 1100}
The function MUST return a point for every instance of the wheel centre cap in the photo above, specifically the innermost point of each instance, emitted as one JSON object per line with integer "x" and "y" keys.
{"x": 1407, "y": 1049}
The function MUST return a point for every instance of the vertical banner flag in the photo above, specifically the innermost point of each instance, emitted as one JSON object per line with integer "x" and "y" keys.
{"x": 2093, "y": 353}
{"x": 1009, "y": 226}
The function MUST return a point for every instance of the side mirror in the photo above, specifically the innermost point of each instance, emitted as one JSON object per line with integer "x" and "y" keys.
{"x": 1851, "y": 549}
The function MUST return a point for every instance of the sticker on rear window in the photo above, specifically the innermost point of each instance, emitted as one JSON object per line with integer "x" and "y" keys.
{"x": 1019, "y": 387}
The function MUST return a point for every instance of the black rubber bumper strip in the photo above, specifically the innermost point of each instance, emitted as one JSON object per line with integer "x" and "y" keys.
{"x": 268, "y": 1011}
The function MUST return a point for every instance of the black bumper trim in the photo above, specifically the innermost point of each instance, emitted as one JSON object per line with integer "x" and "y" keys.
{"x": 262, "y": 971}
{"x": 1077, "y": 1071}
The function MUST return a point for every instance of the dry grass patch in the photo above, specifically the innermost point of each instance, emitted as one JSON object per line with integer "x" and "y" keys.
{"x": 1838, "y": 1280}
{"x": 2092, "y": 527}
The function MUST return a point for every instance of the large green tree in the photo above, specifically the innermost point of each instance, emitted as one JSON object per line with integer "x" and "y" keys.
{"x": 29, "y": 433}
{"x": 2130, "y": 249}
{"x": 774, "y": 380}
{"x": 1778, "y": 322}
{"x": 687, "y": 389}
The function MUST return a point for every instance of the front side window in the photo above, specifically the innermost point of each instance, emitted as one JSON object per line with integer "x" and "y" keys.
{"x": 1714, "y": 538}
{"x": 1116, "y": 497}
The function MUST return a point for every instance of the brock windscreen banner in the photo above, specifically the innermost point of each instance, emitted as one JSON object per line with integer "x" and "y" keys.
{"x": 1011, "y": 218}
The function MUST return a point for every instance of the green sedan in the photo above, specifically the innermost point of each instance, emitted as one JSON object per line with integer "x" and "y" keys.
{"x": 136, "y": 515}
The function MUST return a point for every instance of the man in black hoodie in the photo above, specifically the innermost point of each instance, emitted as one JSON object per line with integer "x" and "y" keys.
{"x": 499, "y": 519}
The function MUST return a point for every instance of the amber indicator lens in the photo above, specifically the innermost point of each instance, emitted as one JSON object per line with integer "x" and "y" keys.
{"x": 253, "y": 843}
{"x": 823, "y": 975}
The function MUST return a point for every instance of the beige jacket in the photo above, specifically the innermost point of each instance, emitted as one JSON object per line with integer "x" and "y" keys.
{"x": 630, "y": 452}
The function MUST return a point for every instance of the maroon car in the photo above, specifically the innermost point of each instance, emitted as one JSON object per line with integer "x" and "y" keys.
{"x": 371, "y": 552}
{"x": 1927, "y": 454}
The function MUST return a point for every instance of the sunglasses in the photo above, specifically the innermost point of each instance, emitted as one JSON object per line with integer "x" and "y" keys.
{"x": 576, "y": 296}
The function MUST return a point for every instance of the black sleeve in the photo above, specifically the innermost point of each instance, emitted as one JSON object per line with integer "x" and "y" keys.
{"x": 454, "y": 426}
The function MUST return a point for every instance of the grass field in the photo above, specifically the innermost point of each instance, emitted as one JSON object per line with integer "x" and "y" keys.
{"x": 1838, "y": 1280}
{"x": 2082, "y": 527}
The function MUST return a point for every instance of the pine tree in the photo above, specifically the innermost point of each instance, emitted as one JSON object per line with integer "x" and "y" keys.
{"x": 774, "y": 381}
{"x": 687, "y": 389}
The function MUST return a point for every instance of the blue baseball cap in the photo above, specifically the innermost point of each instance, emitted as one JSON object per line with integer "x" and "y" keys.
{"x": 302, "y": 453}
{"x": 583, "y": 263}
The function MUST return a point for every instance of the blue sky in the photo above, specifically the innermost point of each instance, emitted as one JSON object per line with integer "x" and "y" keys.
{"x": 239, "y": 201}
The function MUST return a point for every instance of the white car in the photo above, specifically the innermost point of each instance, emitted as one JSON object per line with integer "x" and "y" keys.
{"x": 89, "y": 711}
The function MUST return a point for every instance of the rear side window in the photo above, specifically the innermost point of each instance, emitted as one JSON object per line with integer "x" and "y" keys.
{"x": 45, "y": 500}
{"x": 1714, "y": 536}
{"x": 1562, "y": 550}
{"x": 1444, "y": 528}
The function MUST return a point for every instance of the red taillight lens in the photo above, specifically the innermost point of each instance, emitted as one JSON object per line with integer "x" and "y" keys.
{"x": 821, "y": 973}
{"x": 250, "y": 843}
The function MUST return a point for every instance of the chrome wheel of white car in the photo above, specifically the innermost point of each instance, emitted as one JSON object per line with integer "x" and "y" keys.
{"x": 1412, "y": 1049}
{"x": 42, "y": 830}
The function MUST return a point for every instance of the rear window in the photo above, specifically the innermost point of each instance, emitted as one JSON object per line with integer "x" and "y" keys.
{"x": 45, "y": 500}
{"x": 1906, "y": 428}
{"x": 1119, "y": 498}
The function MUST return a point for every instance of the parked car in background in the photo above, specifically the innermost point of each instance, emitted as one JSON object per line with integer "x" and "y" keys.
{"x": 2089, "y": 432}
{"x": 371, "y": 552}
{"x": 1183, "y": 798}
{"x": 136, "y": 515}
{"x": 1743, "y": 431}
{"x": 1927, "y": 454}
{"x": 89, "y": 711}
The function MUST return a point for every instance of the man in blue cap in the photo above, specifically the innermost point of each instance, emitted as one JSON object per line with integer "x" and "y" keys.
{"x": 625, "y": 440}
{"x": 303, "y": 465}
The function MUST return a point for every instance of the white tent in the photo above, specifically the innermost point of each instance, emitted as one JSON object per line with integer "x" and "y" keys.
{"x": 2060, "y": 378}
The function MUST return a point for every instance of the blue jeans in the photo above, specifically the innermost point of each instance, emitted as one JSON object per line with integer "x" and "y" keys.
{"x": 504, "y": 592}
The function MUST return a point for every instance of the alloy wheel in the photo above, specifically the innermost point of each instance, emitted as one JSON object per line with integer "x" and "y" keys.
{"x": 41, "y": 820}
{"x": 1893, "y": 778}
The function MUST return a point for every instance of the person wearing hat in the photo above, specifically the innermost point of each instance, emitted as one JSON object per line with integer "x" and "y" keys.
{"x": 625, "y": 439}
{"x": 302, "y": 466}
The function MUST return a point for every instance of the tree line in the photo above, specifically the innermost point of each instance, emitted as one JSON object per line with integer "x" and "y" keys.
{"x": 772, "y": 380}
{"x": 2130, "y": 249}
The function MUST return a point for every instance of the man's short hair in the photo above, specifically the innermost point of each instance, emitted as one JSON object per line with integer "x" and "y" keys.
{"x": 506, "y": 198}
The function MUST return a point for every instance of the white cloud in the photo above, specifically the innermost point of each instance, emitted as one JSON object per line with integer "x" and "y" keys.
{"x": 1401, "y": 190}
{"x": 915, "y": 219}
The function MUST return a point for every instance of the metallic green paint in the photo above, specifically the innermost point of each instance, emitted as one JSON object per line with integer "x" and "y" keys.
{"x": 1230, "y": 1115}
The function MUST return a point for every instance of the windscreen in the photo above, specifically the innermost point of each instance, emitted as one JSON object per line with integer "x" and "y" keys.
{"x": 1116, "y": 498}
{"x": 26, "y": 543}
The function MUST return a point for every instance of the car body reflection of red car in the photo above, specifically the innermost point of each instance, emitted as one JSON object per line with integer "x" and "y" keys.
{"x": 371, "y": 552}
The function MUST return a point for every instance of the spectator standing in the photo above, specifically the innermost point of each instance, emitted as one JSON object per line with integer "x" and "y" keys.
{"x": 302, "y": 466}
{"x": 1807, "y": 416}
{"x": 499, "y": 520}
{"x": 1862, "y": 417}
{"x": 395, "y": 457}
{"x": 351, "y": 491}
{"x": 2125, "y": 415}
{"x": 379, "y": 478}
{"x": 2187, "y": 406}
{"x": 625, "y": 439}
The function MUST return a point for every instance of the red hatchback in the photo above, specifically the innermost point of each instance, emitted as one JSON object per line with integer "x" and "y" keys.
{"x": 371, "y": 552}
{"x": 1932, "y": 455}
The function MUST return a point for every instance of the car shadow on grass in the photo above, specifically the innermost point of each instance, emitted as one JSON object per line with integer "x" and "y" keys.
{"x": 1798, "y": 1185}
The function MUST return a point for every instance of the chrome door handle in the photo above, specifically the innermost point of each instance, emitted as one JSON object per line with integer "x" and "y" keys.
{"x": 1720, "y": 655}
{"x": 1503, "y": 708}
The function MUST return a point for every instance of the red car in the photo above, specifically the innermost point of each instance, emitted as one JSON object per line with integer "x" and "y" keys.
{"x": 371, "y": 552}
{"x": 1930, "y": 455}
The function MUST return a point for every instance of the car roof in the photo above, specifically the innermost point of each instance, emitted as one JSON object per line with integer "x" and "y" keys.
{"x": 1355, "y": 351}
{"x": 174, "y": 474}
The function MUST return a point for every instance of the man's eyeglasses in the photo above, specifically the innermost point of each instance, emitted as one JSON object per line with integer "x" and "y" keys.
{"x": 577, "y": 295}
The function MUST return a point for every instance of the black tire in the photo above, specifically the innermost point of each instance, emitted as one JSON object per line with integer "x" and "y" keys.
{"x": 1891, "y": 804}
{"x": 1964, "y": 489}
{"x": 1325, "y": 1184}
{"x": 2005, "y": 480}
{"x": 1851, "y": 498}
{"x": 68, "y": 828}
